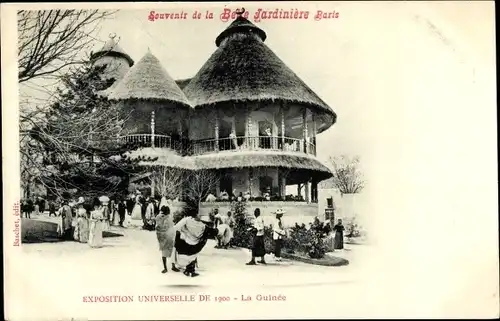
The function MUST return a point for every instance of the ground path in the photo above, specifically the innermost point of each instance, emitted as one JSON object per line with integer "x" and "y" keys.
{"x": 131, "y": 265}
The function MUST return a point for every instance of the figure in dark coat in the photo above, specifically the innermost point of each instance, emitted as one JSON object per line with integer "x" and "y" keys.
{"x": 339, "y": 235}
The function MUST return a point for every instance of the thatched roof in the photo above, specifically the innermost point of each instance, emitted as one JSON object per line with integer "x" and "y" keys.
{"x": 260, "y": 159}
{"x": 111, "y": 48}
{"x": 182, "y": 82}
{"x": 223, "y": 160}
{"x": 243, "y": 68}
{"x": 148, "y": 80}
{"x": 163, "y": 157}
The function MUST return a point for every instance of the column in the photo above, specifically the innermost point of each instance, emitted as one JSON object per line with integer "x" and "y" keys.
{"x": 179, "y": 144}
{"x": 304, "y": 128}
{"x": 315, "y": 131}
{"x": 251, "y": 140}
{"x": 306, "y": 192}
{"x": 216, "y": 130}
{"x": 314, "y": 191}
{"x": 283, "y": 185}
{"x": 282, "y": 113}
{"x": 153, "y": 129}
{"x": 217, "y": 189}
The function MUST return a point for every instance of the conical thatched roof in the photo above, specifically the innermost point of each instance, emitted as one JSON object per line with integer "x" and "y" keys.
{"x": 111, "y": 48}
{"x": 243, "y": 68}
{"x": 148, "y": 80}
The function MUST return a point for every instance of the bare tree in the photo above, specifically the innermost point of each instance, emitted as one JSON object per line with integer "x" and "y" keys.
{"x": 51, "y": 40}
{"x": 347, "y": 176}
{"x": 168, "y": 182}
{"x": 198, "y": 185}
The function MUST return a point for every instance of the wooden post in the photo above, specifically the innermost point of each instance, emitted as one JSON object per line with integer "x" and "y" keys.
{"x": 250, "y": 138}
{"x": 282, "y": 113}
{"x": 315, "y": 132}
{"x": 217, "y": 130}
{"x": 283, "y": 186}
{"x": 153, "y": 129}
{"x": 306, "y": 192}
{"x": 304, "y": 128}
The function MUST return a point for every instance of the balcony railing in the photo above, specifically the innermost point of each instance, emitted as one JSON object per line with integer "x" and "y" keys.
{"x": 237, "y": 143}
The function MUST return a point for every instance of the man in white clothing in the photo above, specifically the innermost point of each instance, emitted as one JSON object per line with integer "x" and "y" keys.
{"x": 278, "y": 234}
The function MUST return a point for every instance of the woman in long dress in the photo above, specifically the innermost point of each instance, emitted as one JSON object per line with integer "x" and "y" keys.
{"x": 116, "y": 215}
{"x": 97, "y": 222}
{"x": 137, "y": 211}
{"x": 149, "y": 216}
{"x": 192, "y": 234}
{"x": 339, "y": 235}
{"x": 81, "y": 233}
{"x": 165, "y": 233}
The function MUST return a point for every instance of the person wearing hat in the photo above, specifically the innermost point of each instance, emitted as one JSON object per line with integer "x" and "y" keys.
{"x": 192, "y": 237}
{"x": 81, "y": 233}
{"x": 97, "y": 222}
{"x": 103, "y": 206}
{"x": 67, "y": 220}
{"x": 278, "y": 233}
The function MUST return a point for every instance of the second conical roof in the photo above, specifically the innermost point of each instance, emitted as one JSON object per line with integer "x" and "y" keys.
{"x": 148, "y": 80}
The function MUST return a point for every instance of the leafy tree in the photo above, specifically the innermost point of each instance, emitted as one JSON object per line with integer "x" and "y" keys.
{"x": 347, "y": 176}
{"x": 78, "y": 145}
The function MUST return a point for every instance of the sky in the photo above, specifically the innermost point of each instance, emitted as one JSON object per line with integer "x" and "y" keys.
{"x": 414, "y": 88}
{"x": 358, "y": 63}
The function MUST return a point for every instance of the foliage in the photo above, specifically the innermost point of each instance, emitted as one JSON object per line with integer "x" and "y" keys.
{"x": 241, "y": 235}
{"x": 306, "y": 241}
{"x": 354, "y": 229}
{"x": 346, "y": 174}
{"x": 199, "y": 184}
{"x": 49, "y": 41}
{"x": 75, "y": 145}
{"x": 300, "y": 240}
{"x": 168, "y": 181}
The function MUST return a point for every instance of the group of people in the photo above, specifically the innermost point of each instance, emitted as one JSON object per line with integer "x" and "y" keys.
{"x": 279, "y": 233}
{"x": 88, "y": 223}
{"x": 36, "y": 206}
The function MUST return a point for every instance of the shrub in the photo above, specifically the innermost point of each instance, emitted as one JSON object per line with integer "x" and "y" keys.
{"x": 306, "y": 241}
{"x": 241, "y": 236}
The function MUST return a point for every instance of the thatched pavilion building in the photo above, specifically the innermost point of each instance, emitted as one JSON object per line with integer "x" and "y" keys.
{"x": 245, "y": 115}
{"x": 263, "y": 119}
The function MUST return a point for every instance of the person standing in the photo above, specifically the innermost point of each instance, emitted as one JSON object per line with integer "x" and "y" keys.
{"x": 339, "y": 235}
{"x": 81, "y": 233}
{"x": 97, "y": 221}
{"x": 165, "y": 233}
{"x": 258, "y": 248}
{"x": 67, "y": 220}
{"x": 121, "y": 211}
{"x": 149, "y": 215}
{"x": 37, "y": 207}
{"x": 106, "y": 211}
{"x": 52, "y": 208}
{"x": 278, "y": 234}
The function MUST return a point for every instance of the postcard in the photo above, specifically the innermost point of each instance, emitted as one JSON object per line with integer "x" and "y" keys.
{"x": 249, "y": 160}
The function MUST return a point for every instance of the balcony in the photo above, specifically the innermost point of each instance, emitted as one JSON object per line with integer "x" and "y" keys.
{"x": 227, "y": 144}
{"x": 156, "y": 141}
{"x": 239, "y": 143}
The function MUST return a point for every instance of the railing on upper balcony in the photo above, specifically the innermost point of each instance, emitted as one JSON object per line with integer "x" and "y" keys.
{"x": 156, "y": 141}
{"x": 237, "y": 143}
